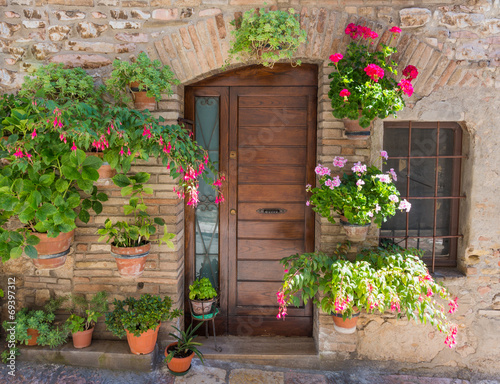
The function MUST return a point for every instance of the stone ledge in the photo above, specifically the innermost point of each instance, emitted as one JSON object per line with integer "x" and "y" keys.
{"x": 102, "y": 354}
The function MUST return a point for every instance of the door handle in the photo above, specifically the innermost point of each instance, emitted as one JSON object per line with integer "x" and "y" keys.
{"x": 232, "y": 211}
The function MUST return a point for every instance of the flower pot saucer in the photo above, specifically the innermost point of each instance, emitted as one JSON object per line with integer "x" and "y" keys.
{"x": 180, "y": 373}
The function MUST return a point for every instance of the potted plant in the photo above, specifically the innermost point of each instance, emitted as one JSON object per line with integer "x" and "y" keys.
{"x": 267, "y": 36}
{"x": 363, "y": 85}
{"x": 130, "y": 240}
{"x": 84, "y": 316}
{"x": 361, "y": 196}
{"x": 380, "y": 279}
{"x": 140, "y": 319}
{"x": 41, "y": 178}
{"x": 146, "y": 79}
{"x": 202, "y": 296}
{"x": 179, "y": 354}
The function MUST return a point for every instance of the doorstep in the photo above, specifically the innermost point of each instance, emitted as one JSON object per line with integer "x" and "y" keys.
{"x": 103, "y": 354}
{"x": 297, "y": 352}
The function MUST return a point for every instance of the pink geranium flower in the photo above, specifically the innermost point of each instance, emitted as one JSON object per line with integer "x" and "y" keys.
{"x": 336, "y": 57}
{"x": 406, "y": 86}
{"x": 374, "y": 72}
{"x": 410, "y": 72}
{"x": 345, "y": 93}
{"x": 395, "y": 30}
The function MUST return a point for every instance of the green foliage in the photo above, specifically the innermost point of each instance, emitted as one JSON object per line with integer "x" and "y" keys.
{"x": 202, "y": 289}
{"x": 380, "y": 279}
{"x": 85, "y": 313}
{"x": 152, "y": 76}
{"x": 267, "y": 36}
{"x": 139, "y": 315}
{"x": 42, "y": 320}
{"x": 143, "y": 226}
{"x": 54, "y": 82}
{"x": 185, "y": 343}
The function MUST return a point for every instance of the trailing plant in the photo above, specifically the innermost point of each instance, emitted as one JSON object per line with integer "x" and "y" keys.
{"x": 361, "y": 196}
{"x": 267, "y": 36}
{"x": 138, "y": 231}
{"x": 363, "y": 85}
{"x": 152, "y": 76}
{"x": 85, "y": 313}
{"x": 380, "y": 279}
{"x": 139, "y": 315}
{"x": 54, "y": 82}
{"x": 202, "y": 289}
{"x": 185, "y": 345}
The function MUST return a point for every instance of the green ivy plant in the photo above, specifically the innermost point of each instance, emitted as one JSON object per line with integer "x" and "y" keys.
{"x": 267, "y": 36}
{"x": 380, "y": 279}
{"x": 138, "y": 231}
{"x": 85, "y": 312}
{"x": 152, "y": 76}
{"x": 202, "y": 289}
{"x": 140, "y": 315}
{"x": 185, "y": 344}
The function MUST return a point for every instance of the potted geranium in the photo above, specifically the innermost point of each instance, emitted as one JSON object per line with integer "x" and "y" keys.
{"x": 202, "y": 296}
{"x": 360, "y": 197}
{"x": 179, "y": 354}
{"x": 381, "y": 279}
{"x": 130, "y": 240}
{"x": 146, "y": 79}
{"x": 267, "y": 36}
{"x": 84, "y": 316}
{"x": 363, "y": 85}
{"x": 140, "y": 320}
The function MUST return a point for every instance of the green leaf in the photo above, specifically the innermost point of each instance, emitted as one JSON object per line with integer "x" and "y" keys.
{"x": 148, "y": 190}
{"x": 97, "y": 207}
{"x": 86, "y": 204}
{"x": 47, "y": 179}
{"x": 8, "y": 203}
{"x": 27, "y": 215}
{"x": 85, "y": 185}
{"x": 71, "y": 173}
{"x": 159, "y": 221}
{"x": 141, "y": 177}
{"x": 92, "y": 162}
{"x": 74, "y": 200}
{"x": 61, "y": 185}
{"x": 31, "y": 251}
{"x": 17, "y": 252}
{"x": 127, "y": 209}
{"x": 101, "y": 196}
{"x": 121, "y": 180}
{"x": 17, "y": 186}
{"x": 127, "y": 190}
{"x": 90, "y": 173}
{"x": 80, "y": 156}
{"x": 84, "y": 216}
{"x": 44, "y": 211}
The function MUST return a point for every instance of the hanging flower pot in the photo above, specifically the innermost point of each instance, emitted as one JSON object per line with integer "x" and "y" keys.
{"x": 141, "y": 100}
{"x": 355, "y": 131}
{"x": 52, "y": 251}
{"x": 354, "y": 232}
{"x": 131, "y": 260}
{"x": 346, "y": 326}
{"x": 34, "y": 336}
{"x": 105, "y": 171}
{"x": 82, "y": 339}
{"x": 144, "y": 343}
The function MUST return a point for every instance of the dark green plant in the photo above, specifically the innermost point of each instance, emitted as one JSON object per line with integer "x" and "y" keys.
{"x": 267, "y": 36}
{"x": 138, "y": 231}
{"x": 85, "y": 312}
{"x": 54, "y": 82}
{"x": 202, "y": 289}
{"x": 139, "y": 315}
{"x": 185, "y": 344}
{"x": 152, "y": 76}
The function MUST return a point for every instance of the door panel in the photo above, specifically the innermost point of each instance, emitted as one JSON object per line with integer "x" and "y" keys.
{"x": 254, "y": 136}
{"x": 256, "y": 192}
{"x": 249, "y": 174}
{"x": 271, "y": 154}
{"x": 249, "y": 249}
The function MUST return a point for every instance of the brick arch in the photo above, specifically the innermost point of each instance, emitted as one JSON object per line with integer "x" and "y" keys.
{"x": 199, "y": 50}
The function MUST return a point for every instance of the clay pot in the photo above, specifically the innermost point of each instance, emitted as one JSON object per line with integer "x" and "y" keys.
{"x": 82, "y": 339}
{"x": 34, "y": 336}
{"x": 144, "y": 343}
{"x": 178, "y": 364}
{"x": 202, "y": 307}
{"x": 346, "y": 326}
{"x": 52, "y": 251}
{"x": 131, "y": 260}
{"x": 354, "y": 232}
{"x": 141, "y": 101}
{"x": 354, "y": 131}
{"x": 105, "y": 171}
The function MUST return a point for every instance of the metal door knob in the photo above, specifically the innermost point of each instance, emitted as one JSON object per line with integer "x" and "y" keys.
{"x": 232, "y": 211}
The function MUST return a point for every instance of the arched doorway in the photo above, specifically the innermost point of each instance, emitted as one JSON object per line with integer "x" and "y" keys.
{"x": 260, "y": 125}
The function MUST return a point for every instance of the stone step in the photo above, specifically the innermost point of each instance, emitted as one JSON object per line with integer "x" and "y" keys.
{"x": 104, "y": 354}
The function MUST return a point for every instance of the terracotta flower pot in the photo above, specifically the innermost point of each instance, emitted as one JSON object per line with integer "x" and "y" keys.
{"x": 52, "y": 251}
{"x": 178, "y": 364}
{"x": 202, "y": 307}
{"x": 105, "y": 171}
{"x": 34, "y": 336}
{"x": 346, "y": 326}
{"x": 141, "y": 100}
{"x": 355, "y": 131}
{"x": 144, "y": 343}
{"x": 131, "y": 260}
{"x": 354, "y": 232}
{"x": 82, "y": 339}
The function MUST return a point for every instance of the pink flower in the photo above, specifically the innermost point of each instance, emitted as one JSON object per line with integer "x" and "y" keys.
{"x": 147, "y": 132}
{"x": 219, "y": 199}
{"x": 374, "y": 72}
{"x": 384, "y": 178}
{"x": 286, "y": 270}
{"x": 406, "y": 86}
{"x": 394, "y": 198}
{"x": 453, "y": 305}
{"x": 339, "y": 162}
{"x": 410, "y": 72}
{"x": 351, "y": 30}
{"x": 450, "y": 338}
{"x": 122, "y": 152}
{"x": 395, "y": 306}
{"x": 308, "y": 203}
{"x": 128, "y": 152}
{"x": 377, "y": 208}
{"x": 336, "y": 57}
{"x": 358, "y": 168}
{"x": 63, "y": 138}
{"x": 322, "y": 171}
{"x": 19, "y": 153}
{"x": 332, "y": 183}
{"x": 308, "y": 187}
{"x": 360, "y": 182}
{"x": 429, "y": 292}
{"x": 373, "y": 35}
{"x": 33, "y": 135}
{"x": 384, "y": 155}
{"x": 74, "y": 148}
{"x": 395, "y": 30}
{"x": 370, "y": 214}
{"x": 345, "y": 94}
{"x": 393, "y": 174}
{"x": 28, "y": 155}
{"x": 404, "y": 205}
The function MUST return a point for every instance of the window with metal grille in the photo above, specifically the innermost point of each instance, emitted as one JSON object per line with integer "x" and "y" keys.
{"x": 427, "y": 159}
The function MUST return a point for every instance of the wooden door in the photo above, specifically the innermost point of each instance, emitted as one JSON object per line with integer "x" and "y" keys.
{"x": 267, "y": 151}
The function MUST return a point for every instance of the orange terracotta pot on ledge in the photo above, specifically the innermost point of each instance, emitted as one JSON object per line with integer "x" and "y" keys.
{"x": 52, "y": 251}
{"x": 82, "y": 339}
{"x": 144, "y": 343}
{"x": 141, "y": 100}
{"x": 34, "y": 336}
{"x": 347, "y": 326}
{"x": 178, "y": 364}
{"x": 131, "y": 260}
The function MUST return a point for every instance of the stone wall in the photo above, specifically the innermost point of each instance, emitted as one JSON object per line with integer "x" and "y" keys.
{"x": 454, "y": 44}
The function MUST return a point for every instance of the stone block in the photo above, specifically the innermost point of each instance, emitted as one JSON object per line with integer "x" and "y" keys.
{"x": 461, "y": 20}
{"x": 132, "y": 37}
{"x": 43, "y": 50}
{"x": 32, "y": 14}
{"x": 59, "y": 32}
{"x": 99, "y": 15}
{"x": 165, "y": 14}
{"x": 69, "y": 15}
{"x": 124, "y": 24}
{"x": 84, "y": 61}
{"x": 209, "y": 12}
{"x": 414, "y": 17}
{"x": 89, "y": 30}
{"x": 245, "y": 376}
{"x": 119, "y": 14}
{"x": 33, "y": 24}
{"x": 138, "y": 14}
